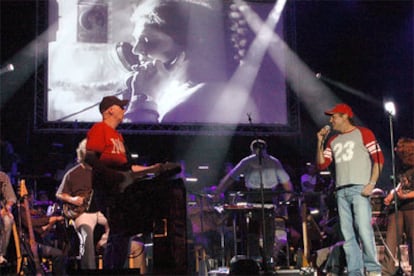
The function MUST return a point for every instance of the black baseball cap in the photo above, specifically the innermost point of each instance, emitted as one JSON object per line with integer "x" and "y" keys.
{"x": 109, "y": 101}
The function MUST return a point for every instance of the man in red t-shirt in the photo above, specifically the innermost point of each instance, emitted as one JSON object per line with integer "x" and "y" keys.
{"x": 107, "y": 155}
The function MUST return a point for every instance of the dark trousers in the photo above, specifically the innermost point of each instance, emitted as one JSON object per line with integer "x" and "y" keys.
{"x": 116, "y": 251}
{"x": 405, "y": 225}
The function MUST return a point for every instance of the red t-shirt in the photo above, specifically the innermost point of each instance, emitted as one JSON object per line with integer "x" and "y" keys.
{"x": 109, "y": 143}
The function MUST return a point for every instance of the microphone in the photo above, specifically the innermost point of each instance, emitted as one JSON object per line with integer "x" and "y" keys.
{"x": 328, "y": 129}
{"x": 249, "y": 117}
{"x": 8, "y": 68}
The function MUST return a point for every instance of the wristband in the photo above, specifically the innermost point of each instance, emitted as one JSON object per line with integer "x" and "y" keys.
{"x": 372, "y": 183}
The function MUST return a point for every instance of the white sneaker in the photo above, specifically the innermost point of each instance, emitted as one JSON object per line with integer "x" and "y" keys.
{"x": 2, "y": 260}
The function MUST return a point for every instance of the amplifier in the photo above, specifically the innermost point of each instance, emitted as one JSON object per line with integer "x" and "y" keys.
{"x": 159, "y": 207}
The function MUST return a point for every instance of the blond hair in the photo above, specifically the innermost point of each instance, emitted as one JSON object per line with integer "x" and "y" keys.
{"x": 81, "y": 151}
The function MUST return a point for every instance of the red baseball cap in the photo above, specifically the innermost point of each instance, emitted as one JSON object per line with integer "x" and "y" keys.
{"x": 340, "y": 108}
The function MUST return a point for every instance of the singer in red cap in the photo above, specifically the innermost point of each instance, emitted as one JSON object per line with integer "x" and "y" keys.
{"x": 358, "y": 162}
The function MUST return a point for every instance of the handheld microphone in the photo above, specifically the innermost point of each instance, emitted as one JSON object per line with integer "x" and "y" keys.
{"x": 328, "y": 129}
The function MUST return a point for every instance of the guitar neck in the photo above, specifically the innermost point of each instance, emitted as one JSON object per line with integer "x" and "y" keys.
{"x": 32, "y": 240}
{"x": 305, "y": 235}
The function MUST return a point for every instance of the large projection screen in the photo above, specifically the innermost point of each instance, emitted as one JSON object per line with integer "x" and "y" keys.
{"x": 186, "y": 65}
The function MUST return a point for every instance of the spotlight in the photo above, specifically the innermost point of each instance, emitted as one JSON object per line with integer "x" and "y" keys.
{"x": 191, "y": 179}
{"x": 390, "y": 108}
{"x": 7, "y": 68}
{"x": 314, "y": 212}
{"x": 134, "y": 155}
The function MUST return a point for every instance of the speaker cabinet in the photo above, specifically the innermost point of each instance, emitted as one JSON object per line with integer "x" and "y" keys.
{"x": 159, "y": 207}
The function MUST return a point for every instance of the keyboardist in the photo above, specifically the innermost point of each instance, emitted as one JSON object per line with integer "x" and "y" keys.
{"x": 260, "y": 170}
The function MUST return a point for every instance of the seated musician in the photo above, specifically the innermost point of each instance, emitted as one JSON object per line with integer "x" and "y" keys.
{"x": 309, "y": 178}
{"x": 7, "y": 200}
{"x": 42, "y": 228}
{"x": 259, "y": 169}
{"x": 77, "y": 194}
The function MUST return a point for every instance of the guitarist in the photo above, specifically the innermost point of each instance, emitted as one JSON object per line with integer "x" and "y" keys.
{"x": 42, "y": 224}
{"x": 405, "y": 202}
{"x": 8, "y": 199}
{"x": 76, "y": 193}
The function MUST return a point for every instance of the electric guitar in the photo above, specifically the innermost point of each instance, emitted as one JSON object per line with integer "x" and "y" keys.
{"x": 72, "y": 211}
{"x": 32, "y": 241}
{"x": 19, "y": 257}
{"x": 398, "y": 202}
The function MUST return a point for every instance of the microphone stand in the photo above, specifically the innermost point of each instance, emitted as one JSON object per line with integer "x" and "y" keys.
{"x": 399, "y": 270}
{"x": 263, "y": 216}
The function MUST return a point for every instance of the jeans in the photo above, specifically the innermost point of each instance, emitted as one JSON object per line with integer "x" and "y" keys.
{"x": 355, "y": 218}
{"x": 57, "y": 256}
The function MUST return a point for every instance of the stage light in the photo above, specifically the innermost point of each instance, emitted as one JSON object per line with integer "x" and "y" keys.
{"x": 134, "y": 155}
{"x": 314, "y": 212}
{"x": 390, "y": 108}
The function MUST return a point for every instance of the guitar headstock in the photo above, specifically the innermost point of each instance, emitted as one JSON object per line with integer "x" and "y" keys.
{"x": 23, "y": 189}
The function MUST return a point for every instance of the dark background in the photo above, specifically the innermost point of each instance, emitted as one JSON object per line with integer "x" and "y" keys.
{"x": 366, "y": 45}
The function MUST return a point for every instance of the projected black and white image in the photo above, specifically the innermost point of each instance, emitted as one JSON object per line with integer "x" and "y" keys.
{"x": 178, "y": 62}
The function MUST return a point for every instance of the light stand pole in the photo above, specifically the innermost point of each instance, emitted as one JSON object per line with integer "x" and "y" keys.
{"x": 390, "y": 108}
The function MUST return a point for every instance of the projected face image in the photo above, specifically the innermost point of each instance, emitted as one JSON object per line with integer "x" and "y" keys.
{"x": 154, "y": 45}
{"x": 160, "y": 80}
{"x": 173, "y": 59}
